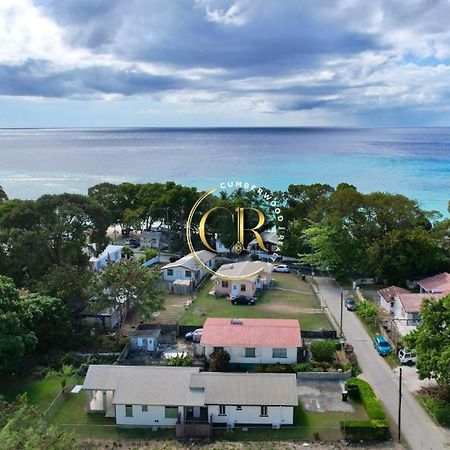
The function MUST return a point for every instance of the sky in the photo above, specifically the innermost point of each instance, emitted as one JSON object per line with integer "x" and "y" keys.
{"x": 207, "y": 63}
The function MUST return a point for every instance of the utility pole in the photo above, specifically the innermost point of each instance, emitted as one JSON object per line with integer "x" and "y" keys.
{"x": 342, "y": 310}
{"x": 399, "y": 403}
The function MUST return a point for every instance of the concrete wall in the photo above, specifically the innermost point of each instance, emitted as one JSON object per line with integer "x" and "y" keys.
{"x": 324, "y": 375}
{"x": 153, "y": 417}
{"x": 263, "y": 355}
{"x": 283, "y": 415}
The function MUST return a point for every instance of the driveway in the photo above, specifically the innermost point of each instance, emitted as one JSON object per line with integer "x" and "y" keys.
{"x": 323, "y": 396}
{"x": 417, "y": 427}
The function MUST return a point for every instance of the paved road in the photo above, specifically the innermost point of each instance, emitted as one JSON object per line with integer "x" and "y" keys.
{"x": 417, "y": 427}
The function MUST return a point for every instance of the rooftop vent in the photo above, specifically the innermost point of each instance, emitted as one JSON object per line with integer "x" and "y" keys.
{"x": 436, "y": 291}
{"x": 236, "y": 322}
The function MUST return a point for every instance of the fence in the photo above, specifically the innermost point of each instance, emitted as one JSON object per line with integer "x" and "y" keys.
{"x": 325, "y": 376}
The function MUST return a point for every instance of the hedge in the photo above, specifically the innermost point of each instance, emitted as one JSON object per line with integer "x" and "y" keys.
{"x": 376, "y": 428}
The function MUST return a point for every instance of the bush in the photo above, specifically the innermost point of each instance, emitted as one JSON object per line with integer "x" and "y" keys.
{"x": 180, "y": 361}
{"x": 302, "y": 367}
{"x": 440, "y": 409}
{"x": 367, "y": 311}
{"x": 323, "y": 350}
{"x": 376, "y": 428}
{"x": 219, "y": 361}
{"x": 277, "y": 368}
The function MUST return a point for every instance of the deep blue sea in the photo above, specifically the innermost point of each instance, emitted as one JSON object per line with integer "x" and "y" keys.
{"x": 411, "y": 161}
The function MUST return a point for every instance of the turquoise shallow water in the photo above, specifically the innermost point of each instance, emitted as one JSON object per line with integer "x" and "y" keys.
{"x": 412, "y": 161}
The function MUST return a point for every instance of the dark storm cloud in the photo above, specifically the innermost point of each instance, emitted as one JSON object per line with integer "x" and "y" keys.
{"x": 38, "y": 78}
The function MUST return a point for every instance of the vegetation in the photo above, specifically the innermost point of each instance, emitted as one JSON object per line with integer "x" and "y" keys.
{"x": 376, "y": 427}
{"x": 367, "y": 311}
{"x": 323, "y": 350}
{"x": 431, "y": 340}
{"x": 438, "y": 404}
{"x": 180, "y": 361}
{"x": 21, "y": 427}
{"x": 219, "y": 361}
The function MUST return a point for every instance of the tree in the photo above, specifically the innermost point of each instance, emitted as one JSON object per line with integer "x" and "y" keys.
{"x": 67, "y": 282}
{"x": 22, "y": 427}
{"x": 3, "y": 196}
{"x": 403, "y": 254}
{"x": 130, "y": 285}
{"x": 16, "y": 339}
{"x": 431, "y": 340}
{"x": 323, "y": 350}
{"x": 48, "y": 318}
{"x": 218, "y": 361}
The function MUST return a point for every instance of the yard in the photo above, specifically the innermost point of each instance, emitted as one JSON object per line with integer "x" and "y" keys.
{"x": 291, "y": 298}
{"x": 40, "y": 393}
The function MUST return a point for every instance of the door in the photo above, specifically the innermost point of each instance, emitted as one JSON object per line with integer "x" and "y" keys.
{"x": 196, "y": 412}
{"x": 234, "y": 289}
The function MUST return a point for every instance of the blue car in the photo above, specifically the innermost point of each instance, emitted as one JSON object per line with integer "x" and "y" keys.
{"x": 382, "y": 346}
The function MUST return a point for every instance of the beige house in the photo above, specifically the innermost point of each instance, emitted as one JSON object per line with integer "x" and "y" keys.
{"x": 229, "y": 283}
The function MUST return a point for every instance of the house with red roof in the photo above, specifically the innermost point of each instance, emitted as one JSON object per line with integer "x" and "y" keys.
{"x": 253, "y": 341}
{"x": 387, "y": 297}
{"x": 437, "y": 284}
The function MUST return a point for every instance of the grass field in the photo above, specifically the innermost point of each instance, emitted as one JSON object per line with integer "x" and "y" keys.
{"x": 290, "y": 299}
{"x": 40, "y": 393}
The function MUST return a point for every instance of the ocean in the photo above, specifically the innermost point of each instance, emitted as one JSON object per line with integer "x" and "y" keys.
{"x": 410, "y": 161}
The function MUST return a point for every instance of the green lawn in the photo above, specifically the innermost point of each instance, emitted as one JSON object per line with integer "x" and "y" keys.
{"x": 40, "y": 393}
{"x": 273, "y": 304}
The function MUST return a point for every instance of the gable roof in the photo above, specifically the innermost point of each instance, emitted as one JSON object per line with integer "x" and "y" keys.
{"x": 105, "y": 253}
{"x": 247, "y": 388}
{"x": 412, "y": 302}
{"x": 243, "y": 269}
{"x": 440, "y": 282}
{"x": 186, "y": 386}
{"x": 390, "y": 292}
{"x": 189, "y": 262}
{"x": 251, "y": 333}
{"x": 267, "y": 236}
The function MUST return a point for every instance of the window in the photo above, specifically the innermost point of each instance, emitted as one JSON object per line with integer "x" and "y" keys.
{"x": 250, "y": 352}
{"x": 243, "y": 288}
{"x": 222, "y": 411}
{"x": 128, "y": 410}
{"x": 224, "y": 284}
{"x": 239, "y": 408}
{"x": 279, "y": 353}
{"x": 144, "y": 408}
{"x": 187, "y": 273}
{"x": 171, "y": 412}
{"x": 216, "y": 349}
{"x": 169, "y": 272}
{"x": 263, "y": 411}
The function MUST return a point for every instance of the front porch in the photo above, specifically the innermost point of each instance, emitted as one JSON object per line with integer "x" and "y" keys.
{"x": 194, "y": 422}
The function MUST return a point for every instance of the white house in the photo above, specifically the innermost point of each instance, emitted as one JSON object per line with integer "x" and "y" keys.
{"x": 184, "y": 275}
{"x": 253, "y": 341}
{"x": 159, "y": 396}
{"x": 270, "y": 240}
{"x": 387, "y": 297}
{"x": 144, "y": 340}
{"x": 437, "y": 284}
{"x": 112, "y": 253}
{"x": 108, "y": 318}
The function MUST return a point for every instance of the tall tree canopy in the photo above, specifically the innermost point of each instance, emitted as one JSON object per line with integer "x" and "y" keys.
{"x": 431, "y": 340}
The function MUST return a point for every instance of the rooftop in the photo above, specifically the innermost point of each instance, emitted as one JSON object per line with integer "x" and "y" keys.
{"x": 436, "y": 283}
{"x": 189, "y": 262}
{"x": 412, "y": 302}
{"x": 186, "y": 386}
{"x": 243, "y": 269}
{"x": 390, "y": 292}
{"x": 251, "y": 332}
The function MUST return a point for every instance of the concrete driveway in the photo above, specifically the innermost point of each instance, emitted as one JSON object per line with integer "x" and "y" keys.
{"x": 322, "y": 396}
{"x": 417, "y": 427}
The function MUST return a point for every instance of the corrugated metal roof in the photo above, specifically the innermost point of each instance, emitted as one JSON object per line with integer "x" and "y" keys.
{"x": 186, "y": 386}
{"x": 251, "y": 332}
{"x": 243, "y": 269}
{"x": 248, "y": 388}
{"x": 189, "y": 262}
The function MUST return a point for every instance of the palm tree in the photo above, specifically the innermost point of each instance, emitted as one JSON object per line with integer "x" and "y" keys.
{"x": 3, "y": 196}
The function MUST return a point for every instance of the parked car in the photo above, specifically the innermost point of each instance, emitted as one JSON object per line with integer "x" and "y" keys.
{"x": 382, "y": 346}
{"x": 406, "y": 356}
{"x": 242, "y": 300}
{"x": 350, "y": 304}
{"x": 133, "y": 243}
{"x": 281, "y": 268}
{"x": 194, "y": 336}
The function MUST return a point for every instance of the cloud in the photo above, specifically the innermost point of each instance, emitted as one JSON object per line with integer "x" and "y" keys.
{"x": 271, "y": 58}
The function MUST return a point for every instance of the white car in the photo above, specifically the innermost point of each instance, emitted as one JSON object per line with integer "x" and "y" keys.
{"x": 407, "y": 356}
{"x": 281, "y": 268}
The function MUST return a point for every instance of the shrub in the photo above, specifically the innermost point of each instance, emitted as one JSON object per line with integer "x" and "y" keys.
{"x": 323, "y": 350}
{"x": 219, "y": 361}
{"x": 367, "y": 311}
{"x": 302, "y": 367}
{"x": 277, "y": 368}
{"x": 180, "y": 361}
{"x": 376, "y": 428}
